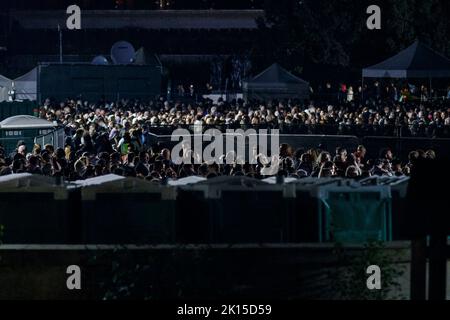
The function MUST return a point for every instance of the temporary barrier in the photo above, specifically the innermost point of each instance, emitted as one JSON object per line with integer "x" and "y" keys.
{"x": 10, "y": 109}
{"x": 34, "y": 210}
{"x": 351, "y": 212}
{"x": 56, "y": 138}
{"x": 118, "y": 210}
{"x": 236, "y": 210}
{"x": 307, "y": 220}
{"x": 398, "y": 186}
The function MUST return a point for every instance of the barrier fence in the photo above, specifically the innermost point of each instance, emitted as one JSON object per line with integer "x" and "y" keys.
{"x": 117, "y": 210}
{"x": 225, "y": 210}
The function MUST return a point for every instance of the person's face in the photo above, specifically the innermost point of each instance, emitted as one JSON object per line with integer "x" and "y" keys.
{"x": 362, "y": 153}
{"x": 389, "y": 155}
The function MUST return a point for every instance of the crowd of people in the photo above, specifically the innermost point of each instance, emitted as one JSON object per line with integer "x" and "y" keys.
{"x": 119, "y": 137}
{"x": 393, "y": 119}
{"x": 86, "y": 156}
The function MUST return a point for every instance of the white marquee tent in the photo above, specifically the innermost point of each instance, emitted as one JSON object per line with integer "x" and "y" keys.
{"x": 5, "y": 86}
{"x": 25, "y": 86}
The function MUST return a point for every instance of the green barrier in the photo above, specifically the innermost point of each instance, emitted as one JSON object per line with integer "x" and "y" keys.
{"x": 355, "y": 216}
{"x": 307, "y": 222}
{"x": 256, "y": 216}
{"x": 118, "y": 210}
{"x": 9, "y": 109}
{"x": 236, "y": 210}
{"x": 22, "y": 213}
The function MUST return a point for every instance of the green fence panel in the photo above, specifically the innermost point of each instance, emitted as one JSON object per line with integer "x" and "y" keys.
{"x": 356, "y": 217}
{"x": 24, "y": 217}
{"x": 9, "y": 109}
{"x": 127, "y": 211}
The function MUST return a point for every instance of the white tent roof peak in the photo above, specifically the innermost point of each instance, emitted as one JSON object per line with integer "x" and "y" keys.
{"x": 25, "y": 122}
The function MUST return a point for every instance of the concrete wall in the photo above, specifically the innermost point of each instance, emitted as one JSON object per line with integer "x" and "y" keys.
{"x": 212, "y": 272}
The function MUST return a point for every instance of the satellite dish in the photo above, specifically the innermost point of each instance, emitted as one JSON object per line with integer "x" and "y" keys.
{"x": 100, "y": 61}
{"x": 122, "y": 52}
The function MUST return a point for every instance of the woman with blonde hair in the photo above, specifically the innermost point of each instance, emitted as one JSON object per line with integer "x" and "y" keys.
{"x": 36, "y": 149}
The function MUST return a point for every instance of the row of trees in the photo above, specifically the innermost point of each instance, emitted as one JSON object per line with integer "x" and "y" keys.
{"x": 333, "y": 32}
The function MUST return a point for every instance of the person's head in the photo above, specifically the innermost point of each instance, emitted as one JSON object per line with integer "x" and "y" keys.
{"x": 430, "y": 154}
{"x": 328, "y": 169}
{"x": 49, "y": 148}
{"x": 386, "y": 154}
{"x": 352, "y": 172}
{"x": 127, "y": 136}
{"x": 361, "y": 151}
{"x": 341, "y": 154}
{"x": 36, "y": 149}
{"x": 143, "y": 157}
{"x": 165, "y": 153}
{"x": 286, "y": 150}
{"x": 324, "y": 157}
{"x": 413, "y": 156}
{"x": 59, "y": 153}
{"x": 22, "y": 150}
{"x": 45, "y": 157}
{"x": 20, "y": 143}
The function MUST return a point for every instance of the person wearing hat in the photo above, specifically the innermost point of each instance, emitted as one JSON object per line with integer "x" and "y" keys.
{"x": 20, "y": 143}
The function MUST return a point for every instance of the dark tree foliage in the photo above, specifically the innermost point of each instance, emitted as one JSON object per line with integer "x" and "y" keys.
{"x": 333, "y": 32}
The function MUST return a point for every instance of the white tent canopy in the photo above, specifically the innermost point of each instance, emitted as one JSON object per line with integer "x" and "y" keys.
{"x": 5, "y": 86}
{"x": 26, "y": 86}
